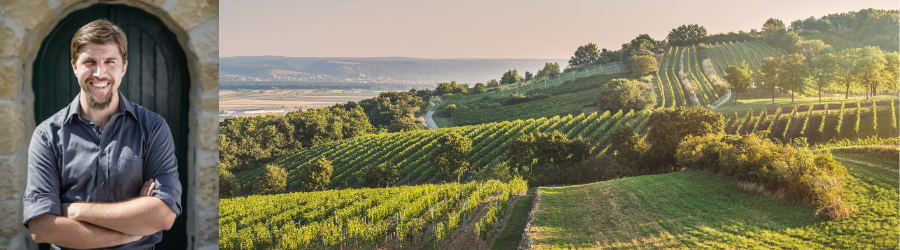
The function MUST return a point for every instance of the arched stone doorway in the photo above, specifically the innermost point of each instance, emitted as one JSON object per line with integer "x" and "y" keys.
{"x": 157, "y": 79}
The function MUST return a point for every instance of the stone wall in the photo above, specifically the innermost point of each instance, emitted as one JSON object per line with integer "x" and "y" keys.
{"x": 23, "y": 26}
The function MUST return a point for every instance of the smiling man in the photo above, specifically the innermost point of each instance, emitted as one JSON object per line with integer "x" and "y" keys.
{"x": 102, "y": 172}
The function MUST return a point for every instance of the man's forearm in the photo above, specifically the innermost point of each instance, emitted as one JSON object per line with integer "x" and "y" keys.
{"x": 69, "y": 233}
{"x": 139, "y": 216}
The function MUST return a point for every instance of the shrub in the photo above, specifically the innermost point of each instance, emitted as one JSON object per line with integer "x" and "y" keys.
{"x": 629, "y": 147}
{"x": 228, "y": 185}
{"x": 669, "y": 126}
{"x": 378, "y": 176}
{"x": 624, "y": 94}
{"x": 273, "y": 181}
{"x": 793, "y": 172}
{"x": 496, "y": 171}
{"x": 316, "y": 175}
{"x": 516, "y": 99}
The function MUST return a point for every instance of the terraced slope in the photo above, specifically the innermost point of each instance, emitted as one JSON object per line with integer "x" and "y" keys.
{"x": 700, "y": 210}
{"x": 411, "y": 151}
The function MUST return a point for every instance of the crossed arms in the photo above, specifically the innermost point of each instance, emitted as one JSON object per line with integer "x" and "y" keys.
{"x": 96, "y": 225}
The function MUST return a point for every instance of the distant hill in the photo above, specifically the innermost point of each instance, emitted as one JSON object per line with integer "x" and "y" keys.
{"x": 396, "y": 68}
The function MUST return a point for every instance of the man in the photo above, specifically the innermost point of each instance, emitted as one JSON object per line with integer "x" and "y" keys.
{"x": 102, "y": 172}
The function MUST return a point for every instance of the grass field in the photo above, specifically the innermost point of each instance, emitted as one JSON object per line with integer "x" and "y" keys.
{"x": 289, "y": 99}
{"x": 693, "y": 209}
{"x": 759, "y": 104}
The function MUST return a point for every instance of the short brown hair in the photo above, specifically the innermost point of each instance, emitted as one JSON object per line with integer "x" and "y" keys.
{"x": 100, "y": 32}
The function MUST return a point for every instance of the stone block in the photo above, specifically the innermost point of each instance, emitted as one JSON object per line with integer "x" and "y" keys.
{"x": 209, "y": 76}
{"x": 12, "y": 187}
{"x": 12, "y": 128}
{"x": 191, "y": 13}
{"x": 204, "y": 40}
{"x": 209, "y": 104}
{"x": 8, "y": 81}
{"x": 208, "y": 131}
{"x": 31, "y": 14}
{"x": 10, "y": 43}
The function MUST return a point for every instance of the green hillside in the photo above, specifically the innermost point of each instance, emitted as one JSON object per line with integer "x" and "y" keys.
{"x": 411, "y": 151}
{"x": 699, "y": 210}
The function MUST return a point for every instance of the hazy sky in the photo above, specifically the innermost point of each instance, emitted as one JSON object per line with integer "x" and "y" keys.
{"x": 485, "y": 29}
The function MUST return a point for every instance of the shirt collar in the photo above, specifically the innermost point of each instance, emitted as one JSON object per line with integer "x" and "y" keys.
{"x": 125, "y": 106}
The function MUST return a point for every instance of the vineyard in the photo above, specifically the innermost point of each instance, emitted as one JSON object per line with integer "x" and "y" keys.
{"x": 820, "y": 123}
{"x": 836, "y": 43}
{"x": 369, "y": 218}
{"x": 411, "y": 151}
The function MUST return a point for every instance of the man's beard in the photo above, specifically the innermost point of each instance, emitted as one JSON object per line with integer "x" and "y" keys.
{"x": 93, "y": 103}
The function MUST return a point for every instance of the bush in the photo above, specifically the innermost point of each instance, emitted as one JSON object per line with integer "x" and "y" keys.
{"x": 378, "y": 176}
{"x": 626, "y": 94}
{"x": 793, "y": 173}
{"x": 516, "y": 99}
{"x": 629, "y": 147}
{"x": 273, "y": 181}
{"x": 316, "y": 175}
{"x": 228, "y": 185}
{"x": 670, "y": 126}
{"x": 496, "y": 171}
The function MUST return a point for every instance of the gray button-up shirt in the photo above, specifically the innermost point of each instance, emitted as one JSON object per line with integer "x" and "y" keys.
{"x": 71, "y": 160}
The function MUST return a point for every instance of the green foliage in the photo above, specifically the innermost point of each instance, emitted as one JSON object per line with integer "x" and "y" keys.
{"x": 738, "y": 78}
{"x": 549, "y": 70}
{"x": 669, "y": 127}
{"x": 796, "y": 173}
{"x": 274, "y": 181}
{"x": 377, "y": 176}
{"x": 451, "y": 154}
{"x": 585, "y": 54}
{"x": 546, "y": 157}
{"x": 516, "y": 99}
{"x": 493, "y": 83}
{"x": 893, "y": 116}
{"x": 258, "y": 139}
{"x": 528, "y": 76}
{"x": 228, "y": 185}
{"x": 686, "y": 35}
{"x": 393, "y": 108}
{"x": 316, "y": 175}
{"x": 510, "y": 77}
{"x": 624, "y": 94}
{"x": 478, "y": 89}
{"x": 642, "y": 65}
{"x": 630, "y": 148}
{"x": 495, "y": 171}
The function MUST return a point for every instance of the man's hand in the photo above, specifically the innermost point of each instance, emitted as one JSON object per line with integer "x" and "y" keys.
{"x": 64, "y": 232}
{"x": 144, "y": 215}
{"x": 147, "y": 189}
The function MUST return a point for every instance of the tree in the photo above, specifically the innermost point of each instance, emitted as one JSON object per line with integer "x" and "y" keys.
{"x": 793, "y": 71}
{"x": 629, "y": 147}
{"x": 767, "y": 75}
{"x": 773, "y": 24}
{"x": 642, "y": 45}
{"x": 493, "y": 83}
{"x": 626, "y": 94}
{"x": 642, "y": 65}
{"x": 825, "y": 70}
{"x": 451, "y": 154}
{"x": 549, "y": 70}
{"x": 585, "y": 54}
{"x": 511, "y": 77}
{"x": 812, "y": 48}
{"x": 686, "y": 35}
{"x": 273, "y": 181}
{"x": 316, "y": 175}
{"x": 891, "y": 71}
{"x": 228, "y": 184}
{"x": 869, "y": 67}
{"x": 378, "y": 176}
{"x": 669, "y": 126}
{"x": 845, "y": 71}
{"x": 479, "y": 88}
{"x": 528, "y": 76}
{"x": 738, "y": 78}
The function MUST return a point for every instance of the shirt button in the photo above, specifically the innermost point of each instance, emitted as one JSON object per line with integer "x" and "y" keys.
{"x": 102, "y": 153}
{"x": 101, "y": 183}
